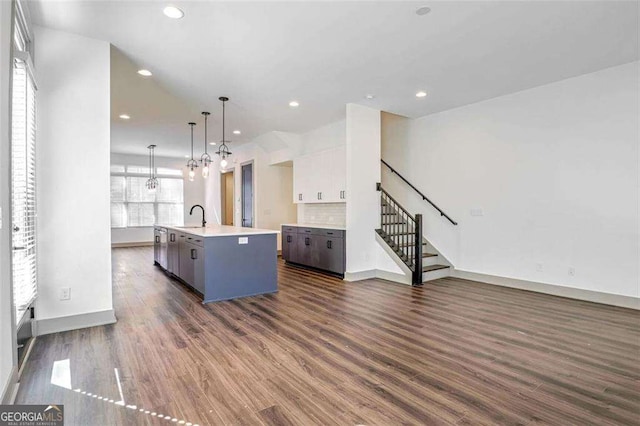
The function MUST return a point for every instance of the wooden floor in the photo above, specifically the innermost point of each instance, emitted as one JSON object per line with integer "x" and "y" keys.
{"x": 323, "y": 351}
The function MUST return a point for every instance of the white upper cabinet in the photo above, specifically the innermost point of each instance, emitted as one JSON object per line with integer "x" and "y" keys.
{"x": 320, "y": 177}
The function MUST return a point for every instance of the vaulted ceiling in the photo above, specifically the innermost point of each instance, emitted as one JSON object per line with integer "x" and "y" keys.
{"x": 325, "y": 54}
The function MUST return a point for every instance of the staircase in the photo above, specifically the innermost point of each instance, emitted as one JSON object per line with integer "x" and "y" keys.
{"x": 402, "y": 232}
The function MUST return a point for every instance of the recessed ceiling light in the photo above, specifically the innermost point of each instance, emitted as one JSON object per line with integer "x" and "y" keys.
{"x": 212, "y": 143}
{"x": 421, "y": 11}
{"x": 370, "y": 96}
{"x": 186, "y": 156}
{"x": 173, "y": 12}
{"x": 421, "y": 94}
{"x": 294, "y": 104}
{"x": 124, "y": 116}
{"x": 236, "y": 132}
{"x": 145, "y": 73}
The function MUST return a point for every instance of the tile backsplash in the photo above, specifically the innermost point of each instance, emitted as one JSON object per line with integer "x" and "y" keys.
{"x": 323, "y": 213}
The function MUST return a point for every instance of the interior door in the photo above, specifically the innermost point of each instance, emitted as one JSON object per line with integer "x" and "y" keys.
{"x": 227, "y": 198}
{"x": 247, "y": 195}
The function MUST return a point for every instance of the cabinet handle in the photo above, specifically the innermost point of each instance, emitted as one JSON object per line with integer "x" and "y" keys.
{"x": 172, "y": 238}
{"x": 307, "y": 241}
{"x": 194, "y": 254}
{"x": 300, "y": 197}
{"x": 321, "y": 195}
{"x": 288, "y": 238}
{"x": 157, "y": 238}
{"x": 329, "y": 244}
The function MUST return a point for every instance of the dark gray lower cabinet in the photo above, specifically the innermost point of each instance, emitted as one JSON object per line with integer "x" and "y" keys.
{"x": 173, "y": 253}
{"x": 315, "y": 247}
{"x": 289, "y": 250}
{"x": 156, "y": 245}
{"x": 191, "y": 263}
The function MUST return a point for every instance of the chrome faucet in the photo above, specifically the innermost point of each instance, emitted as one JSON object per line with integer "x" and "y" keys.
{"x": 204, "y": 222}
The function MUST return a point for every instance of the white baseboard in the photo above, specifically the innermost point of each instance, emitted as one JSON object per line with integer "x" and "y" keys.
{"x": 10, "y": 390}
{"x": 555, "y": 290}
{"x": 132, "y": 244}
{"x": 393, "y": 276}
{"x": 377, "y": 273}
{"x": 74, "y": 322}
{"x": 360, "y": 275}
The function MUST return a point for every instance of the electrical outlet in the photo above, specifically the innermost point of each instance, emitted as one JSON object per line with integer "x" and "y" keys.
{"x": 243, "y": 240}
{"x": 65, "y": 293}
{"x": 572, "y": 272}
{"x": 476, "y": 212}
{"x": 539, "y": 267}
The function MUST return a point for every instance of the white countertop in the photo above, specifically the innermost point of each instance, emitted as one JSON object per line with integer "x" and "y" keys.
{"x": 220, "y": 230}
{"x": 316, "y": 225}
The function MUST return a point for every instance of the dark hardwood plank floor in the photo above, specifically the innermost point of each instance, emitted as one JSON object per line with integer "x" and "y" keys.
{"x": 323, "y": 351}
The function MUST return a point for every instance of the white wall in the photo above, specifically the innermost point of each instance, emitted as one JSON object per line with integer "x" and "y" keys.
{"x": 363, "y": 171}
{"x": 74, "y": 241}
{"x": 273, "y": 189}
{"x": 7, "y": 335}
{"x": 323, "y": 138}
{"x": 554, "y": 169}
{"x": 193, "y": 194}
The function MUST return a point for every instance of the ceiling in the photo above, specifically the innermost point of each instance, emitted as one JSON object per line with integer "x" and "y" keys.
{"x": 326, "y": 54}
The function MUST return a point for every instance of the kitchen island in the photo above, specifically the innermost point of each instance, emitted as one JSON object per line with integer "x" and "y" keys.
{"x": 219, "y": 262}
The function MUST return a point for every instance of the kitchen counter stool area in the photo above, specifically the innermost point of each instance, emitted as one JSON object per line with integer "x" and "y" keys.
{"x": 220, "y": 263}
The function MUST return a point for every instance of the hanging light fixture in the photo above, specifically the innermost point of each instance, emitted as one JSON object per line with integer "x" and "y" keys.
{"x": 223, "y": 149}
{"x": 192, "y": 164}
{"x": 152, "y": 182}
{"x": 205, "y": 158}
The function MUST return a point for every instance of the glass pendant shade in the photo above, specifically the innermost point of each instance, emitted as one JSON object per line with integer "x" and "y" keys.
{"x": 223, "y": 149}
{"x": 152, "y": 182}
{"x": 192, "y": 164}
{"x": 205, "y": 159}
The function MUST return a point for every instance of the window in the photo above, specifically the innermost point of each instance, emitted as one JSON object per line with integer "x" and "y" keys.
{"x": 133, "y": 205}
{"x": 23, "y": 171}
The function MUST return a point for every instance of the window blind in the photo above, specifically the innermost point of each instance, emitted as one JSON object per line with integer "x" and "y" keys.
{"x": 132, "y": 205}
{"x": 23, "y": 188}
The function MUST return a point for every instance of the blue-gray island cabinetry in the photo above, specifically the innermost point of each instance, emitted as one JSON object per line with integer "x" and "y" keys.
{"x": 219, "y": 262}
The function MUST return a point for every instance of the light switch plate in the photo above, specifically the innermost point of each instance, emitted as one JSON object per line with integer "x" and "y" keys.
{"x": 476, "y": 212}
{"x": 65, "y": 293}
{"x": 243, "y": 240}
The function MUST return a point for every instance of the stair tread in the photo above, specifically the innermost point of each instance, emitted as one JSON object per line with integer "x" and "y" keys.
{"x": 434, "y": 268}
{"x": 429, "y": 254}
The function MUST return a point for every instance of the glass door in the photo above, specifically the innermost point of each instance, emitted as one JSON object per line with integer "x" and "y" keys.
{"x": 23, "y": 185}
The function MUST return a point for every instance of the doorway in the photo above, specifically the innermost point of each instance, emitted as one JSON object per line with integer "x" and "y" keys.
{"x": 247, "y": 195}
{"x": 226, "y": 195}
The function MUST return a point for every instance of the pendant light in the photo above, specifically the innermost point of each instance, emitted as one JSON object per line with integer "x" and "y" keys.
{"x": 223, "y": 149}
{"x": 205, "y": 158}
{"x": 152, "y": 182}
{"x": 192, "y": 164}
